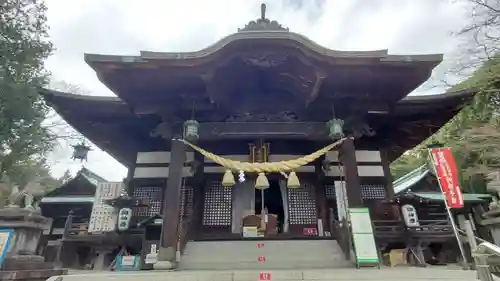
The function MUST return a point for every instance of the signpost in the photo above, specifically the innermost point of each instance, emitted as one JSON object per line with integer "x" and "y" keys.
{"x": 5, "y": 240}
{"x": 447, "y": 175}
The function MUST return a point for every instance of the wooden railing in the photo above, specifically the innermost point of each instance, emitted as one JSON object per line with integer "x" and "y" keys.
{"x": 388, "y": 229}
{"x": 428, "y": 229}
{"x": 72, "y": 228}
{"x": 343, "y": 237}
{"x": 432, "y": 229}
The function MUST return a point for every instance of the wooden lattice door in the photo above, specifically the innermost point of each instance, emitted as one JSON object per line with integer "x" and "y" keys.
{"x": 302, "y": 211}
{"x": 154, "y": 199}
{"x": 217, "y": 208}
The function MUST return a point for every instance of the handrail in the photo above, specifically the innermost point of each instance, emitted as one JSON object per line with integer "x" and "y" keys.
{"x": 480, "y": 240}
{"x": 343, "y": 237}
{"x": 481, "y": 255}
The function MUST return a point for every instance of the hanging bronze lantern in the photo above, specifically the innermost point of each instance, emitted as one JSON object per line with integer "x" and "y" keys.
{"x": 80, "y": 151}
{"x": 191, "y": 130}
{"x": 335, "y": 128}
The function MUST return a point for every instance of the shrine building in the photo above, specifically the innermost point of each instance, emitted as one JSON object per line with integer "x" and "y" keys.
{"x": 184, "y": 122}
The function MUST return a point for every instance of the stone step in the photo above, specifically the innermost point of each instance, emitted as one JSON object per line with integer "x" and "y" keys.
{"x": 286, "y": 254}
{"x": 363, "y": 274}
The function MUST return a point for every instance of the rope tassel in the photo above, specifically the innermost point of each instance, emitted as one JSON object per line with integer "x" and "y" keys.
{"x": 293, "y": 180}
{"x": 228, "y": 179}
{"x": 261, "y": 182}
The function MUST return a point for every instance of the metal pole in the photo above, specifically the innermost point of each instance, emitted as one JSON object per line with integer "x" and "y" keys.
{"x": 465, "y": 265}
{"x": 262, "y": 203}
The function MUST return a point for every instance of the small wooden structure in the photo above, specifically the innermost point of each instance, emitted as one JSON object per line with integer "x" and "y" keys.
{"x": 263, "y": 93}
{"x": 432, "y": 231}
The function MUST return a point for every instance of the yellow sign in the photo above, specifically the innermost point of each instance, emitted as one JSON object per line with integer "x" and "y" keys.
{"x": 251, "y": 231}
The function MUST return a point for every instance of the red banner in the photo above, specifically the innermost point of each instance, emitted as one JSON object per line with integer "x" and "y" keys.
{"x": 447, "y": 175}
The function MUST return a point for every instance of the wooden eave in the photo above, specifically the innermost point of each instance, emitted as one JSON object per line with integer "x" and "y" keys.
{"x": 105, "y": 121}
{"x": 110, "y": 125}
{"x": 80, "y": 184}
{"x": 166, "y": 75}
{"x": 418, "y": 117}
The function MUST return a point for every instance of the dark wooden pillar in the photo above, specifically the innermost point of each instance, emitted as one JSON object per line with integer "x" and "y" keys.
{"x": 171, "y": 202}
{"x": 129, "y": 184}
{"x": 388, "y": 179}
{"x": 347, "y": 154}
{"x": 198, "y": 197}
{"x": 321, "y": 200}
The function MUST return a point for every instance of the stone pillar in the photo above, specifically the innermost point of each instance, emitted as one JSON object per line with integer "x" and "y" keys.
{"x": 22, "y": 261}
{"x": 347, "y": 155}
{"x": 101, "y": 262}
{"x": 171, "y": 207}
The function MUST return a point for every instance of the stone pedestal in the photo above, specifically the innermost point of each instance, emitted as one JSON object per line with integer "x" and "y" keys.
{"x": 21, "y": 260}
{"x": 102, "y": 260}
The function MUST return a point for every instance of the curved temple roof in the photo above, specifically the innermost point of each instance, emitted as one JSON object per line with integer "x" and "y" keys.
{"x": 263, "y": 68}
{"x": 291, "y": 61}
{"x": 266, "y": 30}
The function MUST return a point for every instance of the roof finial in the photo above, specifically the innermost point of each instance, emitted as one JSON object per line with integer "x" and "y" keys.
{"x": 263, "y": 23}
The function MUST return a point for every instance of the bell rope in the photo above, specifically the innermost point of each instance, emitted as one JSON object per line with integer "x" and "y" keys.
{"x": 267, "y": 167}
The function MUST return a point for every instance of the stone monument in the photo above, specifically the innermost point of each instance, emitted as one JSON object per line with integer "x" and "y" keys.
{"x": 26, "y": 224}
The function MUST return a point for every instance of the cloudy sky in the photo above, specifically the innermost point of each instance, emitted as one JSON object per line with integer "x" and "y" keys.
{"x": 129, "y": 26}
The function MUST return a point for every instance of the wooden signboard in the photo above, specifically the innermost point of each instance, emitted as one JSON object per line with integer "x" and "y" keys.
{"x": 365, "y": 248}
{"x": 103, "y": 217}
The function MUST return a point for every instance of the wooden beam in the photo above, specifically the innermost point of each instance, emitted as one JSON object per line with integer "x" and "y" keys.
{"x": 239, "y": 130}
{"x": 276, "y": 130}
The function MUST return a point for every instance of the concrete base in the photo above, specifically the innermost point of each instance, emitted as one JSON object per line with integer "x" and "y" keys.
{"x": 21, "y": 261}
{"x": 364, "y": 274}
{"x": 31, "y": 275}
{"x": 28, "y": 267}
{"x": 163, "y": 265}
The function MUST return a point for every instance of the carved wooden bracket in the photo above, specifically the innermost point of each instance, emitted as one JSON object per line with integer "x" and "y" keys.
{"x": 209, "y": 85}
{"x": 357, "y": 128}
{"x": 320, "y": 77}
{"x": 238, "y": 130}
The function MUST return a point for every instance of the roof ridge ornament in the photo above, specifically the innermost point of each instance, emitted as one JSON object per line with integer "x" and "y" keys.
{"x": 263, "y": 23}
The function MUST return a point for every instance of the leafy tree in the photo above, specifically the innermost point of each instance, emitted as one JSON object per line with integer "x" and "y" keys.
{"x": 24, "y": 46}
{"x": 474, "y": 133}
{"x": 407, "y": 163}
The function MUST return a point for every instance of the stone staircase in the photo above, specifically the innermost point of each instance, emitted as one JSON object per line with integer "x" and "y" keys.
{"x": 285, "y": 254}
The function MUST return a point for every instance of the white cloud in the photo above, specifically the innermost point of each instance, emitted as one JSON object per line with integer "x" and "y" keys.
{"x": 128, "y": 26}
